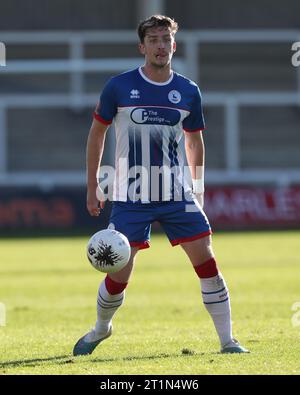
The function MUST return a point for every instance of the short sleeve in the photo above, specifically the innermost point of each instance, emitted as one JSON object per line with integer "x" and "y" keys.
{"x": 195, "y": 120}
{"x": 106, "y": 108}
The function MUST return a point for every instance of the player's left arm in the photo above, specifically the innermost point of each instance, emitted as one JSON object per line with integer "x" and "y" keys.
{"x": 195, "y": 154}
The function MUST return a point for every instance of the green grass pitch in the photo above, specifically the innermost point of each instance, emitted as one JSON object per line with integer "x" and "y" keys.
{"x": 49, "y": 290}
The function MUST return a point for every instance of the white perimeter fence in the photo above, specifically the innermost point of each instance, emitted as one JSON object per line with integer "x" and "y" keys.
{"x": 77, "y": 66}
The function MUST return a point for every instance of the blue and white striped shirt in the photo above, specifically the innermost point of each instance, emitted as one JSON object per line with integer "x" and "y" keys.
{"x": 149, "y": 120}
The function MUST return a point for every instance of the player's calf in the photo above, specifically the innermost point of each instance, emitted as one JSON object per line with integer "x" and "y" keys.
{"x": 216, "y": 300}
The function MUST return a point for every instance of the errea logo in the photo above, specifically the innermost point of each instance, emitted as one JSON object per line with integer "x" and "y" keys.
{"x": 134, "y": 94}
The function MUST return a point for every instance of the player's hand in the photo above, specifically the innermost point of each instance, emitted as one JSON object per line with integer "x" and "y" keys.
{"x": 200, "y": 199}
{"x": 95, "y": 201}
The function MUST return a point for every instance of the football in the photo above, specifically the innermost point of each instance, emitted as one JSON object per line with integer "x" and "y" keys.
{"x": 108, "y": 251}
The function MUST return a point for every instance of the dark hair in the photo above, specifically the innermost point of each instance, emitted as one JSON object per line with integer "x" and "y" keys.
{"x": 156, "y": 21}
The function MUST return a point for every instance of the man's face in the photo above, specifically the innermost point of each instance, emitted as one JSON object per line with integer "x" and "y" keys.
{"x": 158, "y": 47}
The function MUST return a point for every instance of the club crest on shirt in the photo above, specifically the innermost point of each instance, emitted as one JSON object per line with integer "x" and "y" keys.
{"x": 174, "y": 97}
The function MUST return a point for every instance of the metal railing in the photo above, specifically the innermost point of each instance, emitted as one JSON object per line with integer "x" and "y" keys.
{"x": 77, "y": 65}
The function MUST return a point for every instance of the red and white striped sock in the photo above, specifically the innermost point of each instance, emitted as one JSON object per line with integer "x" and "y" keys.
{"x": 111, "y": 296}
{"x": 216, "y": 299}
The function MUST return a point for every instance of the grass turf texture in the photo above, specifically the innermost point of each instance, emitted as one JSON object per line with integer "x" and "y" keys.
{"x": 49, "y": 289}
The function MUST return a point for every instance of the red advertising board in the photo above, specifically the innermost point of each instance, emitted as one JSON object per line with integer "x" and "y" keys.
{"x": 250, "y": 207}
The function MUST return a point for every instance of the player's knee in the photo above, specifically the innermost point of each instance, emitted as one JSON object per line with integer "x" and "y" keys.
{"x": 124, "y": 274}
{"x": 206, "y": 251}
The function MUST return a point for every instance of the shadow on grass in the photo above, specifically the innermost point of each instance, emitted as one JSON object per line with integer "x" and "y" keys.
{"x": 141, "y": 358}
{"x": 66, "y": 359}
{"x": 30, "y": 362}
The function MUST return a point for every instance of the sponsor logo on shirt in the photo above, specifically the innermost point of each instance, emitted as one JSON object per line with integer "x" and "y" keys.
{"x": 155, "y": 116}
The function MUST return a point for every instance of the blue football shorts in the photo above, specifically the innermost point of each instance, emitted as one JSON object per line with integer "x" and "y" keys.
{"x": 181, "y": 221}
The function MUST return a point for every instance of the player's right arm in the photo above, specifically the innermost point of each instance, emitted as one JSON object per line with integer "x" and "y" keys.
{"x": 104, "y": 113}
{"x": 94, "y": 151}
